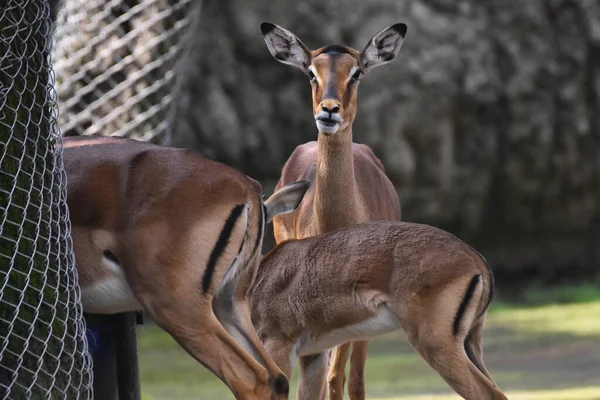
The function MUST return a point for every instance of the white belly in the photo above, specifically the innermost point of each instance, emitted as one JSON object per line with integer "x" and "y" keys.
{"x": 384, "y": 322}
{"x": 111, "y": 295}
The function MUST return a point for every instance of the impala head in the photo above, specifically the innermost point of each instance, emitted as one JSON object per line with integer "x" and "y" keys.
{"x": 334, "y": 71}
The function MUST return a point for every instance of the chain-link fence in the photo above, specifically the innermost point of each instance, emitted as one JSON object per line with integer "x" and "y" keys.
{"x": 43, "y": 353}
{"x": 114, "y": 61}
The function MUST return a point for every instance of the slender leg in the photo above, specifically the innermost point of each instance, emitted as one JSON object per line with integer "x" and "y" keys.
{"x": 474, "y": 348}
{"x": 236, "y": 320}
{"x": 196, "y": 328}
{"x": 447, "y": 356}
{"x": 337, "y": 371}
{"x": 356, "y": 380}
{"x": 311, "y": 385}
{"x": 234, "y": 315}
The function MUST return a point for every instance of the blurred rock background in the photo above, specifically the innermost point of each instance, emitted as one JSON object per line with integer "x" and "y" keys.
{"x": 488, "y": 122}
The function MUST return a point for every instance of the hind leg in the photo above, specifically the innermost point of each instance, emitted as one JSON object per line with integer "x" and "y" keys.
{"x": 233, "y": 312}
{"x": 197, "y": 330}
{"x": 181, "y": 310}
{"x": 474, "y": 347}
{"x": 446, "y": 354}
{"x": 438, "y": 332}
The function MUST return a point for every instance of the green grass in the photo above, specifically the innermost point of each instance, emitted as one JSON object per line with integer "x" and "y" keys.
{"x": 587, "y": 393}
{"x": 579, "y": 319}
{"x": 535, "y": 352}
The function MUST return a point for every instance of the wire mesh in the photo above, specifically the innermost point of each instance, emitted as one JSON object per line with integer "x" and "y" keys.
{"x": 115, "y": 65}
{"x": 43, "y": 353}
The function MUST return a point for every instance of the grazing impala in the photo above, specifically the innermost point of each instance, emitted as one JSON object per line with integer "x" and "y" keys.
{"x": 348, "y": 183}
{"x": 179, "y": 235}
{"x": 375, "y": 278}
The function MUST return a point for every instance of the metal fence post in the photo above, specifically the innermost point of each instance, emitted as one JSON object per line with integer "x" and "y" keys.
{"x": 128, "y": 372}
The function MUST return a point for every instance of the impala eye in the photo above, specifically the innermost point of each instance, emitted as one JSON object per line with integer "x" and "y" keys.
{"x": 356, "y": 75}
{"x": 311, "y": 75}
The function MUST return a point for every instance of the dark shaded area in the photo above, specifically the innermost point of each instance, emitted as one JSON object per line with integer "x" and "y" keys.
{"x": 55, "y": 5}
{"x": 488, "y": 122}
{"x": 113, "y": 345}
{"x": 127, "y": 356}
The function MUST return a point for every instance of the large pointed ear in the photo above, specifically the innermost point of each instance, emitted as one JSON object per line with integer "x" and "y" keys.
{"x": 383, "y": 47}
{"x": 285, "y": 46}
{"x": 286, "y": 199}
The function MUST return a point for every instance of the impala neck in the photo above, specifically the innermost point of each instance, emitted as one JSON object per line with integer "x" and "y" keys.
{"x": 335, "y": 204}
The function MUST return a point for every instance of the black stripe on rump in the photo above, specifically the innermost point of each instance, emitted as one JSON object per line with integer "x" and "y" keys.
{"x": 222, "y": 242}
{"x": 465, "y": 302}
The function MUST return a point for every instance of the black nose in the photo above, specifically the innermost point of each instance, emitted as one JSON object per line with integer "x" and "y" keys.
{"x": 331, "y": 110}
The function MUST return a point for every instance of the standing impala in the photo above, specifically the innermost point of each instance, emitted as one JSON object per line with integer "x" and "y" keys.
{"x": 375, "y": 278}
{"x": 179, "y": 235}
{"x": 348, "y": 183}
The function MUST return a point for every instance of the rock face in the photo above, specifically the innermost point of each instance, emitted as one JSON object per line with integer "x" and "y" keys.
{"x": 488, "y": 122}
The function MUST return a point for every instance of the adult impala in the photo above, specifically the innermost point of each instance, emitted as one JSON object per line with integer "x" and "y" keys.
{"x": 371, "y": 279}
{"x": 179, "y": 235}
{"x": 348, "y": 183}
